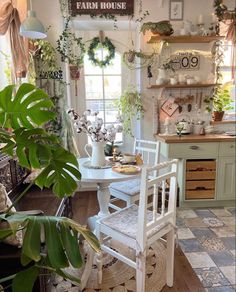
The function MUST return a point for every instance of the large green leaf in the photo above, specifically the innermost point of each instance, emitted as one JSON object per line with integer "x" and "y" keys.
{"x": 31, "y": 243}
{"x": 61, "y": 173}
{"x": 70, "y": 243}
{"x": 7, "y": 138}
{"x": 24, "y": 280}
{"x": 33, "y": 147}
{"x": 30, "y": 106}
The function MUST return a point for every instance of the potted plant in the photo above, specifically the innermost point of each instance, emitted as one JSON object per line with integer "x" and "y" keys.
{"x": 24, "y": 112}
{"x": 159, "y": 28}
{"x": 219, "y": 103}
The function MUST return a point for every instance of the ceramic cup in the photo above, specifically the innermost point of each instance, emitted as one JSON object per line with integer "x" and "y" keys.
{"x": 128, "y": 158}
{"x": 173, "y": 81}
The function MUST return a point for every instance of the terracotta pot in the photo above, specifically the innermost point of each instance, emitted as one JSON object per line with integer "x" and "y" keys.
{"x": 217, "y": 116}
{"x": 74, "y": 72}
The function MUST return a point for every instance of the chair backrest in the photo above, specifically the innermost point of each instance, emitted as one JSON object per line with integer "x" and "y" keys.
{"x": 166, "y": 184}
{"x": 150, "y": 151}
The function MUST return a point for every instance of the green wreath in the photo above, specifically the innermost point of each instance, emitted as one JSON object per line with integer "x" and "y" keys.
{"x": 107, "y": 44}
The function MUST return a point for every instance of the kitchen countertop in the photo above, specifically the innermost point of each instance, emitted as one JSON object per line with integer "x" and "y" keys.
{"x": 195, "y": 138}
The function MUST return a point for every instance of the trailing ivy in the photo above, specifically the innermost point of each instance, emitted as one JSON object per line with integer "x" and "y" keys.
{"x": 70, "y": 47}
{"x": 106, "y": 44}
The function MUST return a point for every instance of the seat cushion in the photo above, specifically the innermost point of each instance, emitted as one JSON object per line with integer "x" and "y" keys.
{"x": 130, "y": 187}
{"x": 126, "y": 221}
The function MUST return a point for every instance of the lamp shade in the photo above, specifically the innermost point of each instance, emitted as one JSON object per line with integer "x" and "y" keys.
{"x": 31, "y": 27}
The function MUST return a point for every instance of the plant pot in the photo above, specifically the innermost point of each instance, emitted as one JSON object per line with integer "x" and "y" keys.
{"x": 74, "y": 72}
{"x": 217, "y": 116}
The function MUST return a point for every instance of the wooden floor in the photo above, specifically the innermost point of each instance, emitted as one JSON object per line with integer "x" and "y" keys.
{"x": 185, "y": 280}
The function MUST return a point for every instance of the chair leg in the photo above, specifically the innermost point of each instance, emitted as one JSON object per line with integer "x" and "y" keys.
{"x": 88, "y": 266}
{"x": 170, "y": 258}
{"x": 99, "y": 257}
{"x": 141, "y": 272}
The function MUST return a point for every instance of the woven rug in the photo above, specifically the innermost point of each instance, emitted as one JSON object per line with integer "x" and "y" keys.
{"x": 119, "y": 277}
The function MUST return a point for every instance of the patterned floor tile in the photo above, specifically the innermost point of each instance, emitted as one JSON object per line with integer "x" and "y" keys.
{"x": 213, "y": 222}
{"x": 229, "y": 220}
{"x": 180, "y": 222}
{"x": 194, "y": 222}
{"x": 186, "y": 214}
{"x": 202, "y": 232}
{"x": 229, "y": 272}
{"x": 199, "y": 260}
{"x": 223, "y": 231}
{"x": 232, "y": 210}
{"x": 212, "y": 244}
{"x": 222, "y": 258}
{"x": 190, "y": 245}
{"x": 221, "y": 289}
{"x": 211, "y": 277}
{"x": 229, "y": 242}
{"x": 221, "y": 212}
{"x": 204, "y": 213}
{"x": 185, "y": 233}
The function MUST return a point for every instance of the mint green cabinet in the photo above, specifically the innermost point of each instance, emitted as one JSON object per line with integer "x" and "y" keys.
{"x": 226, "y": 178}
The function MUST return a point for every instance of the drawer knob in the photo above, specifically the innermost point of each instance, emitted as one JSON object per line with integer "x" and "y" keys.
{"x": 194, "y": 147}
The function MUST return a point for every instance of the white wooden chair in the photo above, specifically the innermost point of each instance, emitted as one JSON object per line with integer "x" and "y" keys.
{"x": 137, "y": 227}
{"x": 128, "y": 191}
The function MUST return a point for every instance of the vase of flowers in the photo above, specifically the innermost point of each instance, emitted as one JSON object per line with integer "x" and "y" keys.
{"x": 92, "y": 125}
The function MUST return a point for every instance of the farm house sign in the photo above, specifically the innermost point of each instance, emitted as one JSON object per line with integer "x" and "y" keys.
{"x": 122, "y": 7}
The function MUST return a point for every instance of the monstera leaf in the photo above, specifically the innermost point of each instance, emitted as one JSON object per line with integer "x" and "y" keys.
{"x": 62, "y": 247}
{"x": 30, "y": 106}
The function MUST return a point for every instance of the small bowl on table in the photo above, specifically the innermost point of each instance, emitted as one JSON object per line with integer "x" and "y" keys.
{"x": 129, "y": 158}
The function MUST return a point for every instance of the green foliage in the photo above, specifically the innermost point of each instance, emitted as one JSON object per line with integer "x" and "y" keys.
{"x": 106, "y": 44}
{"x": 130, "y": 105}
{"x": 70, "y": 47}
{"x": 221, "y": 101}
{"x": 162, "y": 27}
{"x": 28, "y": 107}
{"x": 62, "y": 248}
{"x": 23, "y": 112}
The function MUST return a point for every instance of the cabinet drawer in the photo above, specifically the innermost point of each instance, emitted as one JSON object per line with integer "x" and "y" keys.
{"x": 200, "y": 175}
{"x": 193, "y": 150}
{"x": 200, "y": 185}
{"x": 201, "y": 165}
{"x": 203, "y": 194}
{"x": 227, "y": 149}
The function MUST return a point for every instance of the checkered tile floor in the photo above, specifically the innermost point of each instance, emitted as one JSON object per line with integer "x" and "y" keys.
{"x": 207, "y": 237}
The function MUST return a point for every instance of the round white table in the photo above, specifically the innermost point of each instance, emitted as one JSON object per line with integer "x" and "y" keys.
{"x": 102, "y": 177}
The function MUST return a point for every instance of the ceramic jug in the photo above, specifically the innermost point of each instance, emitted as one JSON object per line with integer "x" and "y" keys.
{"x": 98, "y": 156}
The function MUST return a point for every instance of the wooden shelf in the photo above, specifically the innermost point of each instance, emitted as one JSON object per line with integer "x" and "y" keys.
{"x": 184, "y": 39}
{"x": 154, "y": 86}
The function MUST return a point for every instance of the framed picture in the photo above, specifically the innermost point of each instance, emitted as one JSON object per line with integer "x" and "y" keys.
{"x": 169, "y": 106}
{"x": 176, "y": 10}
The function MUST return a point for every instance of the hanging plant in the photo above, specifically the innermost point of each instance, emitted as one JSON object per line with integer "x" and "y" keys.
{"x": 130, "y": 105}
{"x": 106, "y": 44}
{"x": 160, "y": 28}
{"x": 70, "y": 47}
{"x": 130, "y": 57}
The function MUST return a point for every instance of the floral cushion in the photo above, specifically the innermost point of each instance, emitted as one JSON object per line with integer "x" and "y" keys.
{"x": 130, "y": 187}
{"x": 126, "y": 221}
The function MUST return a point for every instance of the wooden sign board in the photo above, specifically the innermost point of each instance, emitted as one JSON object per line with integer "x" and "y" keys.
{"x": 118, "y": 7}
{"x": 186, "y": 61}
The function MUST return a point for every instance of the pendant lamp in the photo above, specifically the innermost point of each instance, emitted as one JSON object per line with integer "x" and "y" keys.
{"x": 32, "y": 27}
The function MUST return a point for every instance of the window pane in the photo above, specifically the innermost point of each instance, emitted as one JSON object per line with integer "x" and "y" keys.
{"x": 95, "y": 105}
{"x": 115, "y": 66}
{"x": 93, "y": 87}
{"x": 111, "y": 111}
{"x": 89, "y": 68}
{"x": 112, "y": 87}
